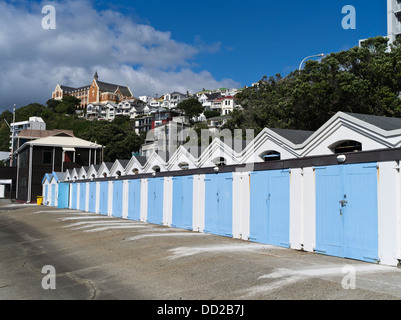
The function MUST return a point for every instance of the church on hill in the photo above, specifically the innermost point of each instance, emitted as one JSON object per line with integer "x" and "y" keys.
{"x": 97, "y": 92}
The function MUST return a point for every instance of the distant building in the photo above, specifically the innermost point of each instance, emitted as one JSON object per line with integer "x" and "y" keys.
{"x": 51, "y": 154}
{"x": 34, "y": 123}
{"x": 94, "y": 93}
{"x": 393, "y": 19}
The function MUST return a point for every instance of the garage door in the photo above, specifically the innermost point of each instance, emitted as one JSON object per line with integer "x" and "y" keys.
{"x": 218, "y": 205}
{"x": 92, "y": 197}
{"x": 155, "y": 200}
{"x": 104, "y": 195}
{"x": 118, "y": 199}
{"x": 182, "y": 202}
{"x": 270, "y": 207}
{"x": 347, "y": 212}
{"x": 82, "y": 196}
{"x": 134, "y": 199}
{"x": 63, "y": 195}
{"x": 74, "y": 196}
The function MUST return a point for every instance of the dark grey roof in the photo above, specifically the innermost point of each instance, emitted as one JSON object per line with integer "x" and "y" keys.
{"x": 213, "y": 96}
{"x": 67, "y": 89}
{"x": 295, "y": 136}
{"x": 109, "y": 87}
{"x": 123, "y": 162}
{"x": 385, "y": 123}
{"x": 109, "y": 165}
{"x": 142, "y": 160}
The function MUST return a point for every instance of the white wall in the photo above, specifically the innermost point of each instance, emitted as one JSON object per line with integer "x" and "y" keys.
{"x": 389, "y": 195}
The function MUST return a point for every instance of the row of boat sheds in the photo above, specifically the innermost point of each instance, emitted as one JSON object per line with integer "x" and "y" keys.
{"x": 336, "y": 191}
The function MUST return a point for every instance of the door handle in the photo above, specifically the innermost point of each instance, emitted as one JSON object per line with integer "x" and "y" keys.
{"x": 343, "y": 203}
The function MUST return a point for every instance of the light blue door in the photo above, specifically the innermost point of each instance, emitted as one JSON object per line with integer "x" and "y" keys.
{"x": 134, "y": 199}
{"x": 53, "y": 198}
{"x": 118, "y": 199}
{"x": 155, "y": 200}
{"x": 45, "y": 198}
{"x": 347, "y": 212}
{"x": 74, "y": 196}
{"x": 82, "y": 196}
{"x": 182, "y": 202}
{"x": 92, "y": 197}
{"x": 63, "y": 195}
{"x": 218, "y": 204}
{"x": 270, "y": 207}
{"x": 104, "y": 196}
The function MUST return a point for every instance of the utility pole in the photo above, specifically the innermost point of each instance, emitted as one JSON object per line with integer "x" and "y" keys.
{"x": 12, "y": 138}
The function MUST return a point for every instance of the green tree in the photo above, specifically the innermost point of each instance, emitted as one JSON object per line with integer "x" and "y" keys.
{"x": 68, "y": 105}
{"x": 364, "y": 79}
{"x": 192, "y": 107}
{"x": 211, "y": 113}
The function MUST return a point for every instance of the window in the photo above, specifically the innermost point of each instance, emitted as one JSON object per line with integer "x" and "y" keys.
{"x": 219, "y": 161}
{"x": 156, "y": 169}
{"x": 184, "y": 166}
{"x": 347, "y": 146}
{"x": 270, "y": 156}
{"x": 47, "y": 156}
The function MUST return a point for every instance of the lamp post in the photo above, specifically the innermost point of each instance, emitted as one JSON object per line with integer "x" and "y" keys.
{"x": 316, "y": 55}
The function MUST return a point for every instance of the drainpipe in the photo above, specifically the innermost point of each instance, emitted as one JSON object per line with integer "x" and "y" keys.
{"x": 29, "y": 195}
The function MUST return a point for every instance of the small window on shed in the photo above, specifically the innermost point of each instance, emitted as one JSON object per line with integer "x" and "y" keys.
{"x": 347, "y": 146}
{"x": 135, "y": 171}
{"x": 184, "y": 166}
{"x": 219, "y": 161}
{"x": 156, "y": 169}
{"x": 118, "y": 173}
{"x": 270, "y": 156}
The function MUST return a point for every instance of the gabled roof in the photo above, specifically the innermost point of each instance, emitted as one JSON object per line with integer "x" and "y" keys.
{"x": 385, "y": 123}
{"x": 105, "y": 167}
{"x": 74, "y": 174}
{"x": 57, "y": 176}
{"x": 60, "y": 141}
{"x": 109, "y": 87}
{"x": 83, "y": 172}
{"x": 295, "y": 136}
{"x": 46, "y": 177}
{"x": 93, "y": 169}
{"x": 119, "y": 164}
{"x": 67, "y": 175}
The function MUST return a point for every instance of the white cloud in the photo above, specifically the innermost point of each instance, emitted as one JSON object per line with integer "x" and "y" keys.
{"x": 34, "y": 60}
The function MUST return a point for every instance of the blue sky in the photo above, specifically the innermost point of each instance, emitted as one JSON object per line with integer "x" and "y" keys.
{"x": 261, "y": 36}
{"x": 161, "y": 46}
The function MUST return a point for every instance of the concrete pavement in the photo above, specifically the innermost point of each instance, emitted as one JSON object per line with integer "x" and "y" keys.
{"x": 98, "y": 257}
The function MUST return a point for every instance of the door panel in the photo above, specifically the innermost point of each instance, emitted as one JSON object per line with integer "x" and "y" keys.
{"x": 103, "y": 197}
{"x": 92, "y": 197}
{"x": 218, "y": 205}
{"x": 347, "y": 212}
{"x": 117, "y": 199}
{"x": 155, "y": 200}
{"x": 63, "y": 195}
{"x": 182, "y": 202}
{"x": 82, "y": 196}
{"x": 270, "y": 207}
{"x": 134, "y": 199}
